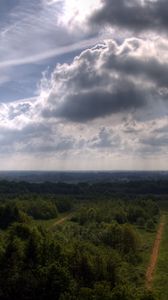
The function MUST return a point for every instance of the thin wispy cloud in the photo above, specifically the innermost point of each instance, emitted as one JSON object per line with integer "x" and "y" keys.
{"x": 51, "y": 53}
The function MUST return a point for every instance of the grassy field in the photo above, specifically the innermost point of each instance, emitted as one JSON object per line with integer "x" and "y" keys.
{"x": 160, "y": 284}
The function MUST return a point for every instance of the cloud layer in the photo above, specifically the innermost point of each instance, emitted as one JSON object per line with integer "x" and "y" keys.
{"x": 134, "y": 15}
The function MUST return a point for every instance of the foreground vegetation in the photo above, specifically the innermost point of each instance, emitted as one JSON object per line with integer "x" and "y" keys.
{"x": 100, "y": 253}
{"x": 161, "y": 274}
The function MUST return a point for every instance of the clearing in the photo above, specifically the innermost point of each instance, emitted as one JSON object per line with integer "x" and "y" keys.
{"x": 62, "y": 220}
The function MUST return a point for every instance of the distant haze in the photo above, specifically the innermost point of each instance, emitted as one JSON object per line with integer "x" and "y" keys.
{"x": 85, "y": 176}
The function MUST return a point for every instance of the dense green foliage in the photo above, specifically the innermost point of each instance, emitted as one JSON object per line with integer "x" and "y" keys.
{"x": 86, "y": 190}
{"x": 33, "y": 206}
{"x": 39, "y": 208}
{"x": 137, "y": 212}
{"x": 94, "y": 256}
{"x": 9, "y": 213}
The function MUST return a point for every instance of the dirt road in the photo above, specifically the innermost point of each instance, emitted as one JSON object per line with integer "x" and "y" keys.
{"x": 62, "y": 220}
{"x": 154, "y": 255}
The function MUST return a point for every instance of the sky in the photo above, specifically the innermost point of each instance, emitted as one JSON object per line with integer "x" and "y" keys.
{"x": 83, "y": 85}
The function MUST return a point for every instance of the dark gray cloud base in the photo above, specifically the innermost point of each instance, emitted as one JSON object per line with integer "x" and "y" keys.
{"x": 133, "y": 14}
{"x": 91, "y": 105}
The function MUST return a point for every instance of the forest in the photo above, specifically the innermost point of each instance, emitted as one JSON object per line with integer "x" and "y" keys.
{"x": 78, "y": 241}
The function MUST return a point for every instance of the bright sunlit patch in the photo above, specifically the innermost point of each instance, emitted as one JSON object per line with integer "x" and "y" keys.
{"x": 77, "y": 10}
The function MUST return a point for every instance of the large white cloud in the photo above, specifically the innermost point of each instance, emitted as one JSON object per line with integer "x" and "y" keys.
{"x": 109, "y": 79}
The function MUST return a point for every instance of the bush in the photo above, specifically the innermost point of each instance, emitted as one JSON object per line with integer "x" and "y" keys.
{"x": 41, "y": 209}
{"x": 150, "y": 225}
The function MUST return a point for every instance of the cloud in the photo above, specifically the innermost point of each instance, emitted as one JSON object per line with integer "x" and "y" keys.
{"x": 148, "y": 67}
{"x": 156, "y": 141}
{"x": 34, "y": 138}
{"x": 98, "y": 105}
{"x": 43, "y": 55}
{"x": 20, "y": 109}
{"x": 89, "y": 145}
{"x": 33, "y": 31}
{"x": 34, "y": 37}
{"x": 106, "y": 139}
{"x": 87, "y": 106}
{"x": 134, "y": 15}
{"x": 108, "y": 80}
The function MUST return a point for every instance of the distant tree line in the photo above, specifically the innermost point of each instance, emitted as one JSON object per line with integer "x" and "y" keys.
{"x": 85, "y": 190}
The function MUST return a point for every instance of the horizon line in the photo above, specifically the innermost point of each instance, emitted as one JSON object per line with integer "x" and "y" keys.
{"x": 83, "y": 170}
